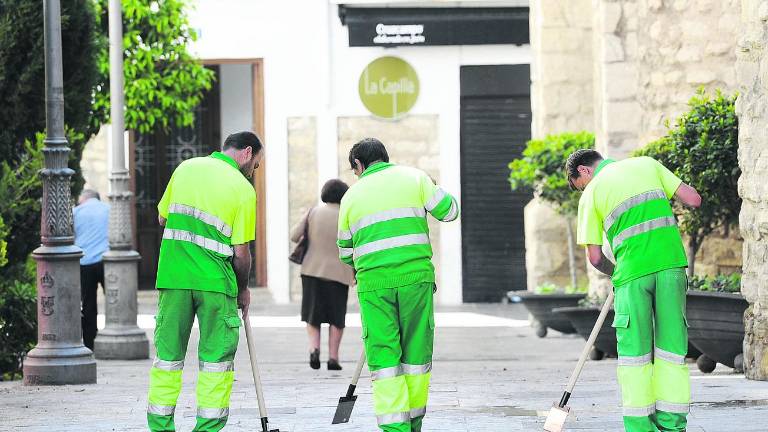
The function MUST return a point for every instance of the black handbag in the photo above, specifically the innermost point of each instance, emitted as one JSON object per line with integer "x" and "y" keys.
{"x": 300, "y": 250}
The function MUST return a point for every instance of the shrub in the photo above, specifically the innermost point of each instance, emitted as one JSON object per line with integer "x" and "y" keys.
{"x": 18, "y": 325}
{"x": 542, "y": 168}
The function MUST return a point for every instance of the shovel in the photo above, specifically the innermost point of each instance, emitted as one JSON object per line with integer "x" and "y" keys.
{"x": 256, "y": 378}
{"x": 347, "y": 403}
{"x": 559, "y": 412}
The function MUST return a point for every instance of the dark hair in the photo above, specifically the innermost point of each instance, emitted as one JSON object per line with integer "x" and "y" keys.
{"x": 368, "y": 150}
{"x": 333, "y": 191}
{"x": 242, "y": 140}
{"x": 585, "y": 157}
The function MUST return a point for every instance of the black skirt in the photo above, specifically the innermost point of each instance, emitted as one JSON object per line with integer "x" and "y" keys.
{"x": 323, "y": 301}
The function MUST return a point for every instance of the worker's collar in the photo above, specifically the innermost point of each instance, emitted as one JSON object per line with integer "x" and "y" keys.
{"x": 378, "y": 166}
{"x": 225, "y": 158}
{"x": 602, "y": 165}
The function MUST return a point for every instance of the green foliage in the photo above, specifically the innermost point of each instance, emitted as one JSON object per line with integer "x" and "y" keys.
{"x": 550, "y": 288}
{"x": 22, "y": 76}
{"x": 702, "y": 150}
{"x": 163, "y": 82}
{"x": 542, "y": 168}
{"x": 3, "y": 243}
{"x": 20, "y": 193}
{"x": 720, "y": 283}
{"x": 18, "y": 324}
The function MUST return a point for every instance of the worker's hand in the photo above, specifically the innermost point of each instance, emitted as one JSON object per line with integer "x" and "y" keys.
{"x": 244, "y": 300}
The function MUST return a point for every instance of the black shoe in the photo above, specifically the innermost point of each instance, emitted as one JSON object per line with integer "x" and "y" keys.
{"x": 314, "y": 359}
{"x": 333, "y": 364}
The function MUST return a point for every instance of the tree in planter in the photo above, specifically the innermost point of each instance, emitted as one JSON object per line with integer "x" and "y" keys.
{"x": 164, "y": 83}
{"x": 702, "y": 150}
{"x": 542, "y": 169}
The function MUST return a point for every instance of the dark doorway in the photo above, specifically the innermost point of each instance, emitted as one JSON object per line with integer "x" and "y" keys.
{"x": 155, "y": 157}
{"x": 495, "y": 126}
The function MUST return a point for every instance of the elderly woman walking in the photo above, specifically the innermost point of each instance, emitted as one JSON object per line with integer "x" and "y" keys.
{"x": 325, "y": 279}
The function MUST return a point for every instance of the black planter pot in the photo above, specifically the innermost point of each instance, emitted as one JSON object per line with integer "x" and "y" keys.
{"x": 583, "y": 320}
{"x": 541, "y": 305}
{"x": 716, "y": 324}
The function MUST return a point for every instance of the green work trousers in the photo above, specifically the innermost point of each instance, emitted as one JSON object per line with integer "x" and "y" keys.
{"x": 219, "y": 333}
{"x": 398, "y": 333}
{"x": 653, "y": 340}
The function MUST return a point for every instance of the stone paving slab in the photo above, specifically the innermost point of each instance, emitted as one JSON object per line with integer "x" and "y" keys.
{"x": 484, "y": 379}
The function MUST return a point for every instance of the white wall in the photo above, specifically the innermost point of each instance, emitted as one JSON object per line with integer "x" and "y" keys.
{"x": 310, "y": 71}
{"x": 236, "y": 94}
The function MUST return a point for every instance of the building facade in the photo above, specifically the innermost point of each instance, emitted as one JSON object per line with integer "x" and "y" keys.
{"x": 293, "y": 71}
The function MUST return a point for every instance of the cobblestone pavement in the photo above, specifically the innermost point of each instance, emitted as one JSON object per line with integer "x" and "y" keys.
{"x": 491, "y": 373}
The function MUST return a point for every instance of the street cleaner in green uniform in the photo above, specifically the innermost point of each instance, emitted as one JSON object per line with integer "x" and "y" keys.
{"x": 383, "y": 233}
{"x": 209, "y": 214}
{"x": 626, "y": 203}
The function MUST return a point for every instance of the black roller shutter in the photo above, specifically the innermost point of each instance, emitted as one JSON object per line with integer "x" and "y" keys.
{"x": 495, "y": 125}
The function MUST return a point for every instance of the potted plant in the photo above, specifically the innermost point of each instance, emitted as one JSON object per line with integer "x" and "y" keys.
{"x": 715, "y": 314}
{"x": 543, "y": 299}
{"x": 583, "y": 317}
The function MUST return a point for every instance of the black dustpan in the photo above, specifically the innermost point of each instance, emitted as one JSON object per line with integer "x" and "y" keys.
{"x": 347, "y": 402}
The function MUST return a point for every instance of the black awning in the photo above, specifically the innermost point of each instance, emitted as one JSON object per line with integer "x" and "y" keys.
{"x": 435, "y": 26}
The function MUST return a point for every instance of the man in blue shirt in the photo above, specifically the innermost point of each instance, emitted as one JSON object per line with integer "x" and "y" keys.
{"x": 91, "y": 235}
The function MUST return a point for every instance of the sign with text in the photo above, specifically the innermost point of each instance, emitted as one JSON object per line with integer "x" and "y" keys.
{"x": 388, "y": 87}
{"x": 392, "y": 26}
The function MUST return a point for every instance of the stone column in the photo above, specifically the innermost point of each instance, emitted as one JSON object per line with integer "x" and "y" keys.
{"x": 121, "y": 338}
{"x": 60, "y": 356}
{"x": 617, "y": 110}
{"x": 562, "y": 101}
{"x": 752, "y": 109}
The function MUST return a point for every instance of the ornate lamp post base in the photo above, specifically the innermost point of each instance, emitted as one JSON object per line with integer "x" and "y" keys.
{"x": 121, "y": 339}
{"x": 59, "y": 366}
{"x": 59, "y": 357}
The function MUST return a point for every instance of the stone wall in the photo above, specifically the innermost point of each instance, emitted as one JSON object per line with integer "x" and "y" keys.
{"x": 95, "y": 163}
{"x": 410, "y": 141}
{"x": 617, "y": 109}
{"x": 302, "y": 181}
{"x": 687, "y": 44}
{"x": 561, "y": 70}
{"x": 562, "y": 101}
{"x": 752, "y": 109}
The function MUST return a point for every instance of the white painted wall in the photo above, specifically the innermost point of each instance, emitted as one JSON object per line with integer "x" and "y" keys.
{"x": 236, "y": 97}
{"x": 310, "y": 71}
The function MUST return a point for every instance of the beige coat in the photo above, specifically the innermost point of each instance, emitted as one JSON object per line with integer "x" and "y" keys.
{"x": 322, "y": 258}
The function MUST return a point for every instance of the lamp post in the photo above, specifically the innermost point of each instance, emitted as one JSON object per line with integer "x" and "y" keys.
{"x": 121, "y": 338}
{"x": 59, "y": 356}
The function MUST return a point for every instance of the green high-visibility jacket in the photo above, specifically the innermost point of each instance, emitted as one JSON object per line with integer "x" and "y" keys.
{"x": 628, "y": 203}
{"x": 210, "y": 207}
{"x": 383, "y": 228}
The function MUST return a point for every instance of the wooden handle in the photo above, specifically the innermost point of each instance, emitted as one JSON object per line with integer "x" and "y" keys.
{"x": 590, "y": 342}
{"x": 359, "y": 368}
{"x": 254, "y": 366}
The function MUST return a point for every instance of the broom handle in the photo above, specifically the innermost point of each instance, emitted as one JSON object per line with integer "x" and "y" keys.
{"x": 590, "y": 342}
{"x": 254, "y": 366}
{"x": 358, "y": 369}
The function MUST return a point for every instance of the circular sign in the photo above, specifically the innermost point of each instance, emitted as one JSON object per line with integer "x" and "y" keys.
{"x": 388, "y": 87}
